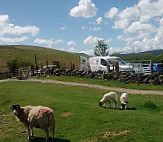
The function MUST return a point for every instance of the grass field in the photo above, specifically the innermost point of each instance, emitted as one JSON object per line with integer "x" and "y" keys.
{"x": 25, "y": 56}
{"x": 109, "y": 83}
{"x": 87, "y": 122}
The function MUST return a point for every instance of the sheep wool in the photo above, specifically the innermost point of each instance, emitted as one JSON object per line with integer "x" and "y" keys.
{"x": 111, "y": 96}
{"x": 124, "y": 100}
{"x": 35, "y": 116}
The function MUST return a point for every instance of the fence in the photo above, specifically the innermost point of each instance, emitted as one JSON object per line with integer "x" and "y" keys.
{"x": 142, "y": 66}
{"x": 6, "y": 75}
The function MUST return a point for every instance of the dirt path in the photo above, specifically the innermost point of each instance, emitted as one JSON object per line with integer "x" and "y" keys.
{"x": 130, "y": 91}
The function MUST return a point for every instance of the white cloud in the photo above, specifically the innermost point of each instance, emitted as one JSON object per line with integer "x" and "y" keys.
{"x": 84, "y": 27}
{"x": 99, "y": 20}
{"x": 71, "y": 43}
{"x": 91, "y": 41}
{"x": 44, "y": 42}
{"x": 72, "y": 49}
{"x": 112, "y": 13}
{"x": 108, "y": 41}
{"x": 59, "y": 41}
{"x": 93, "y": 29}
{"x": 85, "y": 9}
{"x": 129, "y": 13}
{"x": 121, "y": 24}
{"x": 115, "y": 49}
{"x": 88, "y": 52}
{"x": 11, "y": 34}
{"x": 7, "y": 28}
{"x": 7, "y": 40}
{"x": 62, "y": 28}
{"x": 141, "y": 25}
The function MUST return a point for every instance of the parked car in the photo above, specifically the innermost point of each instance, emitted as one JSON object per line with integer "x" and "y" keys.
{"x": 158, "y": 67}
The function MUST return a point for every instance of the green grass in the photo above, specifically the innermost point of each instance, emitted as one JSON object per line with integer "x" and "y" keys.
{"x": 89, "y": 122}
{"x": 109, "y": 83}
{"x": 26, "y": 55}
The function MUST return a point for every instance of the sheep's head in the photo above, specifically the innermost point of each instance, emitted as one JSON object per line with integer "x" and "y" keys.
{"x": 123, "y": 106}
{"x": 15, "y": 109}
{"x": 100, "y": 104}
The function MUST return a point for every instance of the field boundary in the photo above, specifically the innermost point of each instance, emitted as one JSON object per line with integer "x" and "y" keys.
{"x": 117, "y": 89}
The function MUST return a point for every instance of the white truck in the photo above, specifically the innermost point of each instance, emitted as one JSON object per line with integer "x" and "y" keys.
{"x": 99, "y": 63}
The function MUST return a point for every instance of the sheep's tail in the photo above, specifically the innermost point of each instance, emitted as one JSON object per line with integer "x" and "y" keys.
{"x": 52, "y": 123}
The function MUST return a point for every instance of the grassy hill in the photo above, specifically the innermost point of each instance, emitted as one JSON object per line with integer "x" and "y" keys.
{"x": 154, "y": 55}
{"x": 25, "y": 55}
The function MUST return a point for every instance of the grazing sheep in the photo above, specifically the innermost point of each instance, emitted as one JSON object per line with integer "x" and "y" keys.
{"x": 35, "y": 116}
{"x": 107, "y": 98}
{"x": 124, "y": 101}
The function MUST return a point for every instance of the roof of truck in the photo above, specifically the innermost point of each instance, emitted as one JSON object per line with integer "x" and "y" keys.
{"x": 103, "y": 57}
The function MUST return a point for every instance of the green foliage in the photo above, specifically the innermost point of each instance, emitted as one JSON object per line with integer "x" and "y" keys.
{"x": 150, "y": 105}
{"x": 12, "y": 65}
{"x": 145, "y": 56}
{"x": 101, "y": 49}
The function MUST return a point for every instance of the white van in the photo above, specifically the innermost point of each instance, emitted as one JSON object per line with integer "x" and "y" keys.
{"x": 99, "y": 63}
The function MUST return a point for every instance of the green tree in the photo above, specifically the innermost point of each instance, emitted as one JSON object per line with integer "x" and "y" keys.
{"x": 12, "y": 65}
{"x": 101, "y": 49}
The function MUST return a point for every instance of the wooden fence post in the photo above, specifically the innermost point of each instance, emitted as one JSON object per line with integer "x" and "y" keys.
{"x": 116, "y": 67}
{"x": 151, "y": 66}
{"x": 108, "y": 67}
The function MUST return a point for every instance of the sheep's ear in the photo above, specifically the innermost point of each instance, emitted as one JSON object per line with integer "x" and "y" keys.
{"x": 18, "y": 106}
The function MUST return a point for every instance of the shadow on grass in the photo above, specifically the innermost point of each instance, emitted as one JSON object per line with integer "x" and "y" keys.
{"x": 133, "y": 108}
{"x": 41, "y": 139}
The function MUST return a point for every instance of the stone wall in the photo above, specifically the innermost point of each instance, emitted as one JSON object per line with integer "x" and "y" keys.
{"x": 127, "y": 77}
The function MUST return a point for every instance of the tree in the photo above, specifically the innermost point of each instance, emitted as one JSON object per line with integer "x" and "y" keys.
{"x": 101, "y": 49}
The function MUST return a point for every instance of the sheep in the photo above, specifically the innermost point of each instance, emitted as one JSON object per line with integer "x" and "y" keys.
{"x": 35, "y": 116}
{"x": 107, "y": 98}
{"x": 124, "y": 101}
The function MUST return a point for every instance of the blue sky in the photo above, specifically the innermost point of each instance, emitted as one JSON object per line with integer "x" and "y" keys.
{"x": 77, "y": 25}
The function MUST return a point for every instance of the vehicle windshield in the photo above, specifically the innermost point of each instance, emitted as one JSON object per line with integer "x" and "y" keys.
{"x": 121, "y": 62}
{"x": 160, "y": 65}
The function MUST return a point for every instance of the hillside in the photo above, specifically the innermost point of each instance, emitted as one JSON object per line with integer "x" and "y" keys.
{"x": 154, "y": 52}
{"x": 25, "y": 55}
{"x": 154, "y": 55}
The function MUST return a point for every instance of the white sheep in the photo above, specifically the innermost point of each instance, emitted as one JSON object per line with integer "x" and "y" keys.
{"x": 35, "y": 116}
{"x": 107, "y": 98}
{"x": 124, "y": 101}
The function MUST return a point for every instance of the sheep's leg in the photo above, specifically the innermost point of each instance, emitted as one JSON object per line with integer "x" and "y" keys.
{"x": 121, "y": 106}
{"x": 53, "y": 131}
{"x": 32, "y": 134}
{"x": 28, "y": 133}
{"x": 47, "y": 134}
{"x": 109, "y": 104}
{"x": 127, "y": 106}
{"x": 115, "y": 103}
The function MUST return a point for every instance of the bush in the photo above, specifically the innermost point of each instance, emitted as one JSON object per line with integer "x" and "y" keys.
{"x": 150, "y": 105}
{"x": 12, "y": 65}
